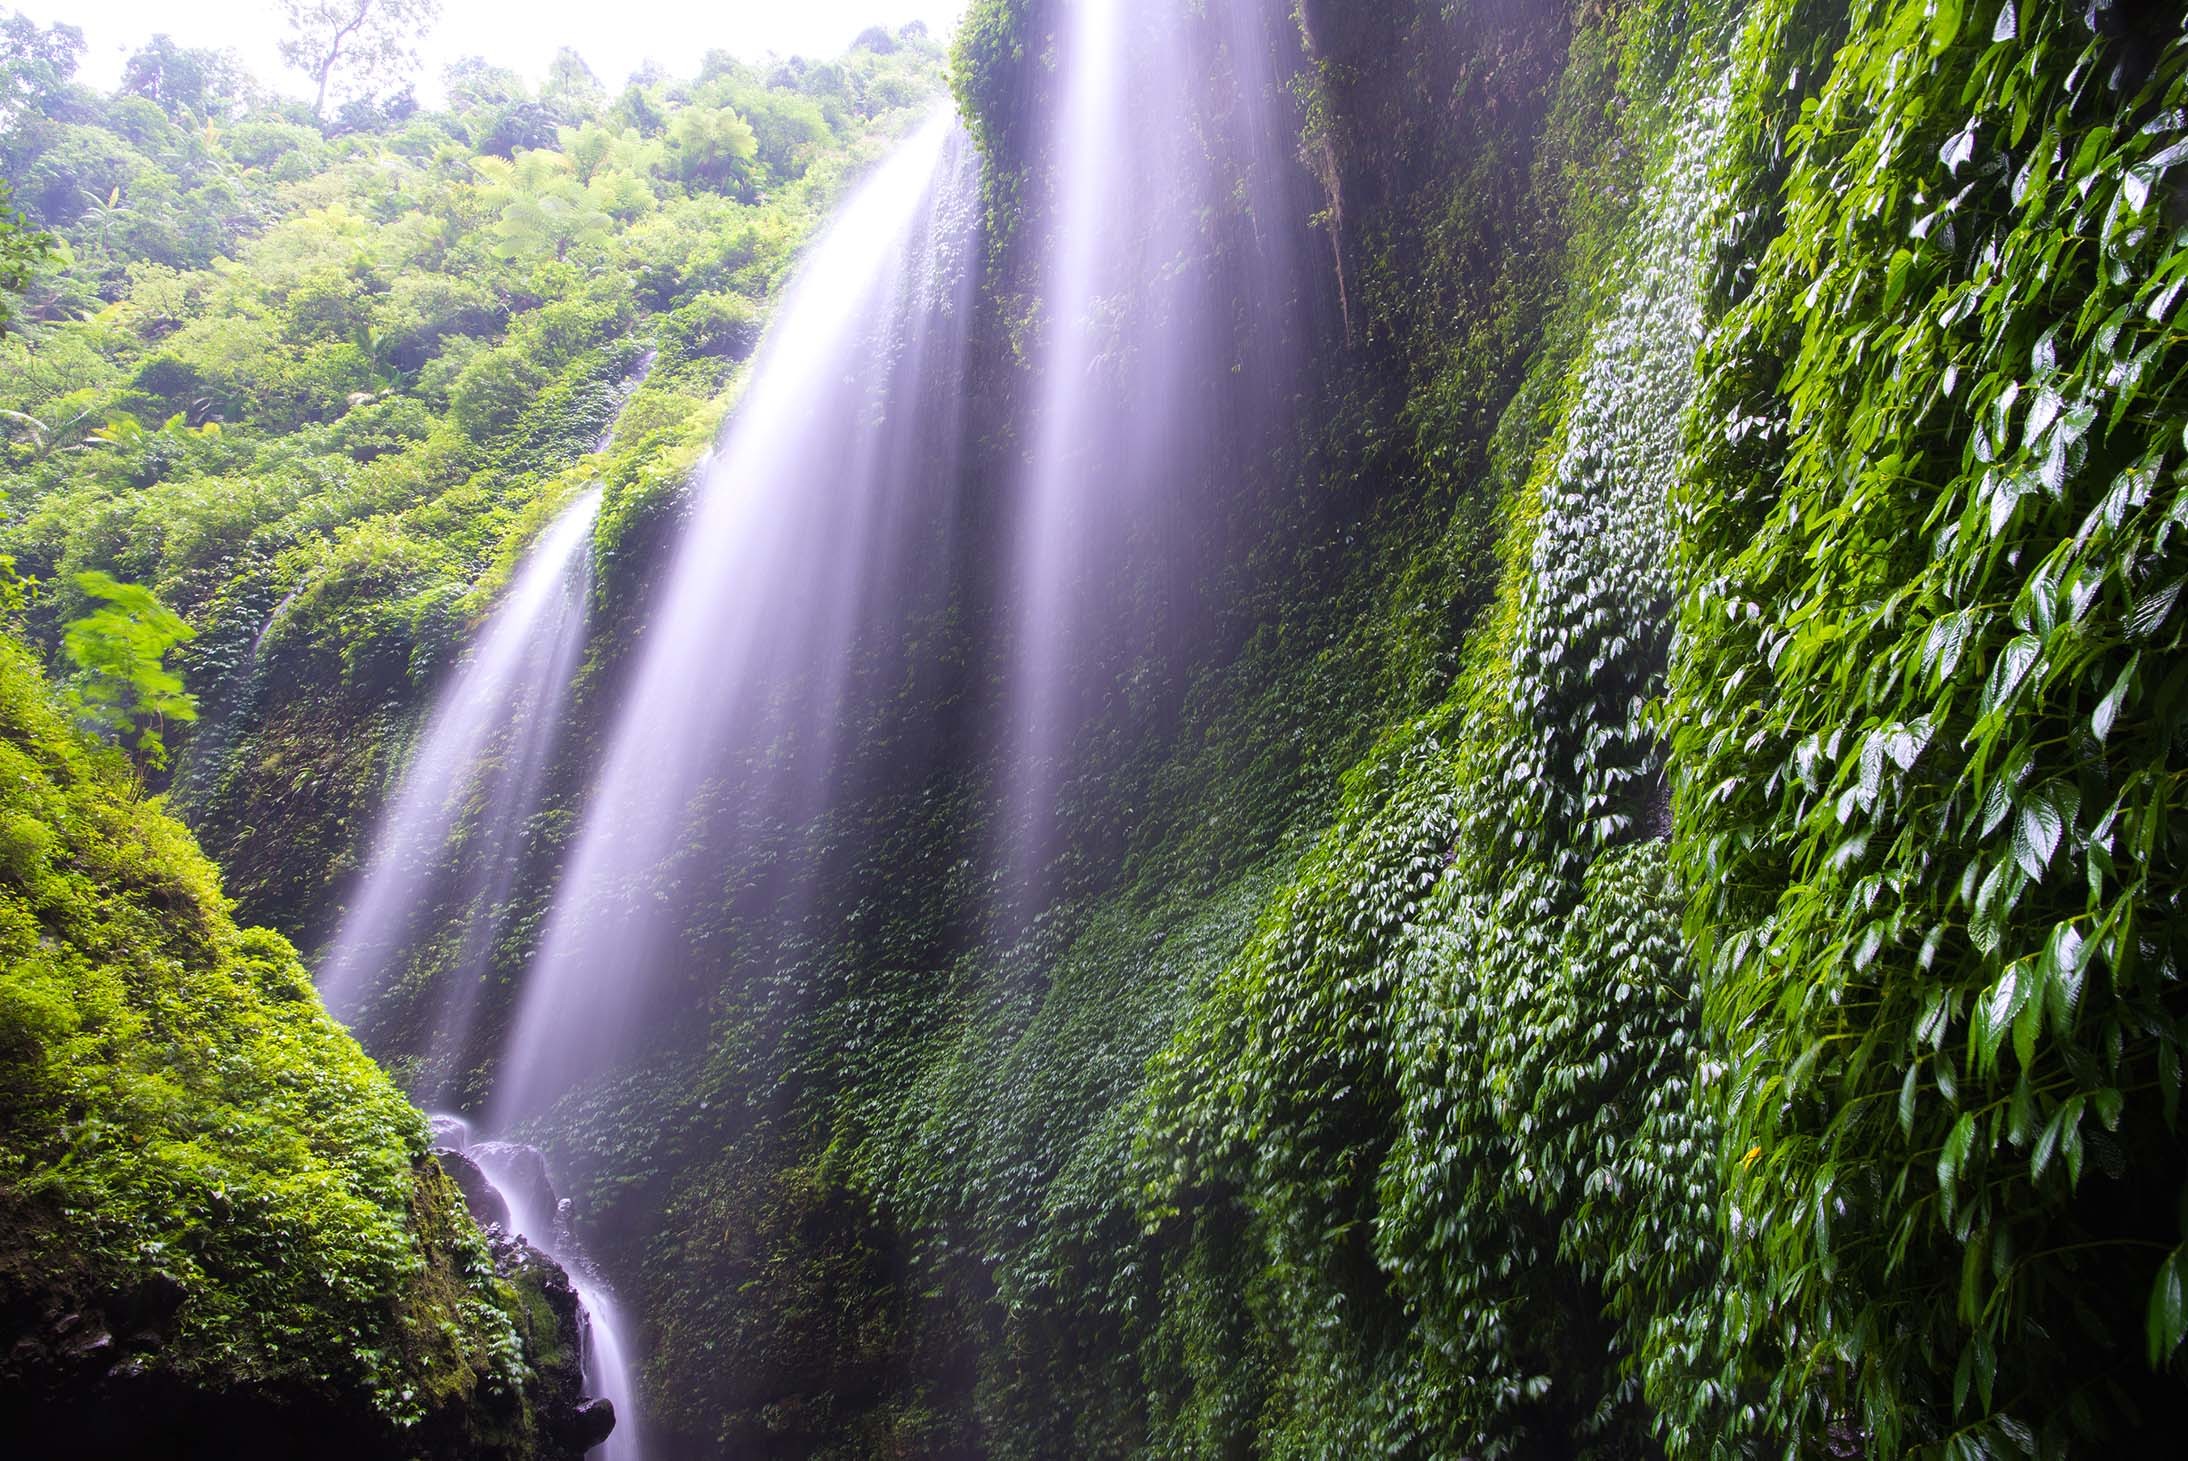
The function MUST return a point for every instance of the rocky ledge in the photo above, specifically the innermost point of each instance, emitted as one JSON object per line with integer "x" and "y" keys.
{"x": 110, "y": 1372}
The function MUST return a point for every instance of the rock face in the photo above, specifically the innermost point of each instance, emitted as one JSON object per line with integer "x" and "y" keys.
{"x": 552, "y": 1315}
{"x": 519, "y": 1170}
{"x": 99, "y": 1374}
{"x": 479, "y": 1195}
{"x": 554, "y": 1342}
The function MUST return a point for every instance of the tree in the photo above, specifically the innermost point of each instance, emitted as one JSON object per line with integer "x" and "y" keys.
{"x": 184, "y": 80}
{"x": 122, "y": 684}
{"x": 369, "y": 42}
{"x": 104, "y": 213}
{"x": 35, "y": 66}
{"x": 711, "y": 146}
{"x": 22, "y": 249}
{"x": 571, "y": 92}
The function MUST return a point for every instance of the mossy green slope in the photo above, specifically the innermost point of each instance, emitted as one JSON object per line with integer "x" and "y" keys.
{"x": 203, "y": 1180}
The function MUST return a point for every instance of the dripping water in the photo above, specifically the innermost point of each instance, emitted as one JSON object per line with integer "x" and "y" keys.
{"x": 518, "y": 1177}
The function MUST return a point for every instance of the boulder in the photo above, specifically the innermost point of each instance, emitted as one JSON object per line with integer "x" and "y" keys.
{"x": 479, "y": 1193}
{"x": 591, "y": 1423}
{"x": 520, "y": 1173}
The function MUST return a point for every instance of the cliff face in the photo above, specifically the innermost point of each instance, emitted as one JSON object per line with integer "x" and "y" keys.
{"x": 220, "y": 1232}
{"x": 1588, "y": 955}
{"x": 1633, "y": 907}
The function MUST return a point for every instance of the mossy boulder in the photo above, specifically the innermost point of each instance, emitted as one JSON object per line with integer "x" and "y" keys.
{"x": 220, "y": 1230}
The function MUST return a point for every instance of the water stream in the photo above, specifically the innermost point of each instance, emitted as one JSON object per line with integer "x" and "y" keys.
{"x": 518, "y": 1176}
{"x": 806, "y": 533}
{"x": 1173, "y": 311}
{"x": 816, "y": 532}
{"x": 453, "y": 839}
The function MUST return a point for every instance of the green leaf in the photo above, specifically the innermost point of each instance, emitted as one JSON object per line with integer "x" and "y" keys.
{"x": 2066, "y": 956}
{"x": 2108, "y": 709}
{"x": 1955, "y": 1155}
{"x": 1895, "y": 277}
{"x": 2047, "y": 1145}
{"x": 2027, "y": 1024}
{"x": 1944, "y": 23}
{"x": 2036, "y": 834}
{"x": 2167, "y": 1324}
{"x": 2153, "y": 609}
{"x": 2008, "y": 670}
{"x": 2001, "y": 1006}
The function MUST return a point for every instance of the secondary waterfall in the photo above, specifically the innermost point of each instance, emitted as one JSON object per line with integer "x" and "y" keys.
{"x": 518, "y": 1176}
{"x": 453, "y": 841}
{"x": 1173, "y": 310}
{"x": 445, "y": 862}
{"x": 804, "y": 545}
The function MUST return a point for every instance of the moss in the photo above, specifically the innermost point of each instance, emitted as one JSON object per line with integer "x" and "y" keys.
{"x": 203, "y": 1180}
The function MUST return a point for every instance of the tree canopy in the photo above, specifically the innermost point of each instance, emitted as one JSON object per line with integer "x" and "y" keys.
{"x": 353, "y": 49}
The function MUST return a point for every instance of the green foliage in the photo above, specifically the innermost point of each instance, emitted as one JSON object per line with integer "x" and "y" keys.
{"x": 21, "y": 249}
{"x": 1927, "y": 726}
{"x": 413, "y": 339}
{"x": 1656, "y": 932}
{"x": 1473, "y": 1145}
{"x": 123, "y": 686}
{"x": 711, "y": 146}
{"x": 176, "y": 1109}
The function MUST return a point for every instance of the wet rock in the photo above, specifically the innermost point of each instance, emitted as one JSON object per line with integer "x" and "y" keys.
{"x": 486, "y": 1204}
{"x": 450, "y": 1132}
{"x": 83, "y": 1372}
{"x": 147, "y": 1312}
{"x": 591, "y": 1423}
{"x": 553, "y": 1324}
{"x": 92, "y": 1347}
{"x": 521, "y": 1174}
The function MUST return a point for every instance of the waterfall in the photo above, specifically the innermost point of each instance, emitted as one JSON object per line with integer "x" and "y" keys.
{"x": 453, "y": 840}
{"x": 811, "y": 523}
{"x": 519, "y": 1179}
{"x": 1173, "y": 314}
{"x": 807, "y": 539}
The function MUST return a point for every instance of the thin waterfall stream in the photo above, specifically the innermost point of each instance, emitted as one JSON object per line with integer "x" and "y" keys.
{"x": 451, "y": 844}
{"x": 517, "y": 1179}
{"x": 803, "y": 537}
{"x": 1173, "y": 298}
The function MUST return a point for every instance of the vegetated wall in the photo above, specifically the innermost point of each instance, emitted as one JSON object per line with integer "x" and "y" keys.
{"x": 220, "y": 1231}
{"x": 318, "y": 387}
{"x": 1653, "y": 928}
{"x": 1636, "y": 911}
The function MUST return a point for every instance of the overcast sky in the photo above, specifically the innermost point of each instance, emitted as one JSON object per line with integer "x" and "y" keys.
{"x": 614, "y": 36}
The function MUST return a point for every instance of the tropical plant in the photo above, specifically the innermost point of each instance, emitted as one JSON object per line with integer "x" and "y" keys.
{"x": 369, "y": 44}
{"x": 123, "y": 686}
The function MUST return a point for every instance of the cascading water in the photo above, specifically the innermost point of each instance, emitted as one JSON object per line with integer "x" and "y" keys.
{"x": 1174, "y": 305}
{"x": 806, "y": 534}
{"x": 453, "y": 840}
{"x": 445, "y": 863}
{"x": 518, "y": 1177}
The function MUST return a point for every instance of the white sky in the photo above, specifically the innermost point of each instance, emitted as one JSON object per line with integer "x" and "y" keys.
{"x": 614, "y": 36}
